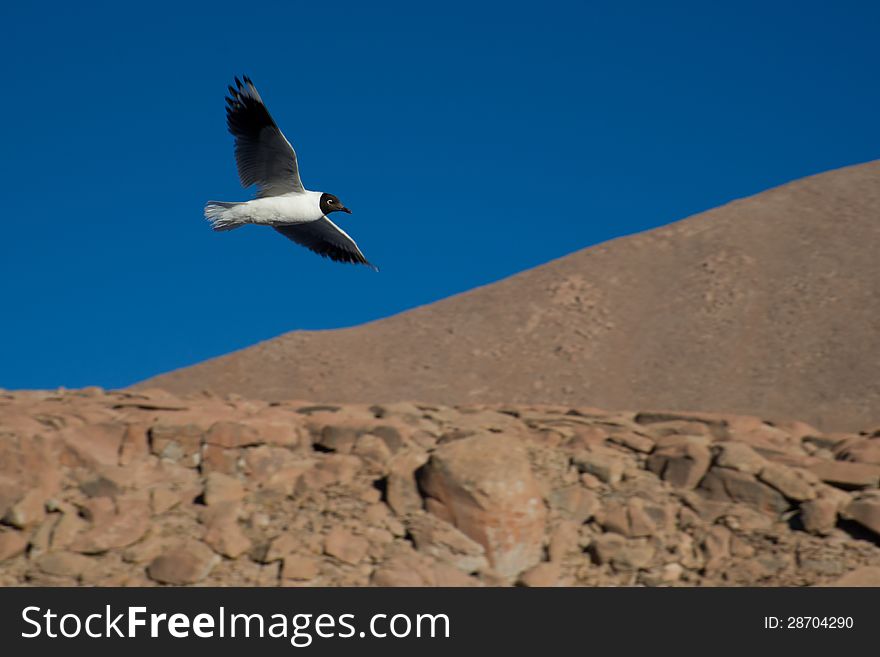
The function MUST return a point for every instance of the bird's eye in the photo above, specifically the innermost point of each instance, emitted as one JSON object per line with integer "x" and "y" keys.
{"x": 331, "y": 201}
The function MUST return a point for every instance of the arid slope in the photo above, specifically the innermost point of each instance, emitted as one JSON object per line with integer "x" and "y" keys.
{"x": 768, "y": 306}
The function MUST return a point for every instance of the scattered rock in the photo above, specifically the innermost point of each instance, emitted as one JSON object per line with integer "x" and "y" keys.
{"x": 114, "y": 532}
{"x": 819, "y": 516}
{"x": 28, "y": 511}
{"x": 222, "y": 488}
{"x": 682, "y": 463}
{"x": 12, "y": 543}
{"x": 740, "y": 456}
{"x": 788, "y": 481}
{"x": 622, "y": 553}
{"x": 633, "y": 441}
{"x": 222, "y": 531}
{"x": 864, "y": 576}
{"x": 187, "y": 562}
{"x": 543, "y": 575}
{"x": 120, "y": 488}
{"x": 734, "y": 486}
{"x": 847, "y": 474}
{"x": 488, "y": 487}
{"x": 66, "y": 564}
{"x": 299, "y": 567}
{"x": 176, "y": 443}
{"x": 280, "y": 547}
{"x": 439, "y": 539}
{"x": 574, "y": 502}
{"x": 628, "y": 519}
{"x": 345, "y": 546}
{"x": 606, "y": 466}
{"x": 401, "y": 490}
{"x": 232, "y": 435}
{"x": 373, "y": 450}
{"x": 865, "y": 510}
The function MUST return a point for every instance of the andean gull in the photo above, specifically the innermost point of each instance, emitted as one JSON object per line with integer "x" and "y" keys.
{"x": 265, "y": 158}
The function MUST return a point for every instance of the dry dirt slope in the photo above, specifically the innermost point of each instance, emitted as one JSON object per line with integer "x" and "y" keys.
{"x": 769, "y": 305}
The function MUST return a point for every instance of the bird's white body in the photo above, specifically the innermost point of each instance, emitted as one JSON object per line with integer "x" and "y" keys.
{"x": 265, "y": 158}
{"x": 292, "y": 208}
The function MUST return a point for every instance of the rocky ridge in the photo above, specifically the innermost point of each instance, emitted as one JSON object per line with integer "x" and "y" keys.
{"x": 146, "y": 488}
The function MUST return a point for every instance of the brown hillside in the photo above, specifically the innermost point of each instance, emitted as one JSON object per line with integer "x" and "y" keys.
{"x": 769, "y": 305}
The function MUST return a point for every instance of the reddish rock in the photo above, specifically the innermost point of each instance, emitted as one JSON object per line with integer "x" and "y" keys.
{"x": 345, "y": 546}
{"x": 230, "y": 435}
{"x": 574, "y": 502}
{"x": 865, "y": 510}
{"x": 372, "y": 450}
{"x": 621, "y": 553}
{"x": 788, "y": 481}
{"x": 262, "y": 463}
{"x": 861, "y": 450}
{"x": 724, "y": 484}
{"x": 627, "y": 518}
{"x": 564, "y": 539}
{"x": 437, "y": 508}
{"x": 28, "y": 511}
{"x": 863, "y": 576}
{"x": 329, "y": 470}
{"x": 222, "y": 488}
{"x": 716, "y": 546}
{"x": 661, "y": 430}
{"x": 280, "y": 547}
{"x": 739, "y": 456}
{"x": 408, "y": 568}
{"x": 439, "y": 539}
{"x": 223, "y": 534}
{"x": 587, "y": 438}
{"x": 601, "y": 463}
{"x": 682, "y": 464}
{"x": 633, "y": 441}
{"x": 96, "y": 444}
{"x": 339, "y": 439}
{"x": 299, "y": 567}
{"x": 98, "y": 510}
{"x": 819, "y": 516}
{"x": 219, "y": 459}
{"x": 177, "y": 442}
{"x": 848, "y": 474}
{"x": 542, "y": 575}
{"x": 488, "y": 487}
{"x": 401, "y": 490}
{"x": 135, "y": 443}
{"x": 717, "y": 424}
{"x": 162, "y": 499}
{"x": 66, "y": 529}
{"x": 278, "y": 428}
{"x": 66, "y": 564}
{"x": 12, "y": 543}
{"x": 186, "y": 562}
{"x": 113, "y": 532}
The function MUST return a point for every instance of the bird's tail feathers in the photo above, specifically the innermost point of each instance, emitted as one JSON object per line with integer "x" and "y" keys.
{"x": 218, "y": 213}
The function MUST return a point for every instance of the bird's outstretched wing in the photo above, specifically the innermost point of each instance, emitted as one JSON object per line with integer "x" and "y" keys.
{"x": 263, "y": 154}
{"x": 326, "y": 239}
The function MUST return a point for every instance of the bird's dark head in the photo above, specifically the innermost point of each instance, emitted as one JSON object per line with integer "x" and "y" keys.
{"x": 330, "y": 203}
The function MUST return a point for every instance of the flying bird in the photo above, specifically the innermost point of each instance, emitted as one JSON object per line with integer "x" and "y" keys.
{"x": 264, "y": 157}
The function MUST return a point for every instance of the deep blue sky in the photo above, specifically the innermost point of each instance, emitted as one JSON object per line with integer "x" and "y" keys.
{"x": 473, "y": 140}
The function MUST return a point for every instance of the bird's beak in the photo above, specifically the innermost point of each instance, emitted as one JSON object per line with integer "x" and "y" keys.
{"x": 346, "y": 210}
